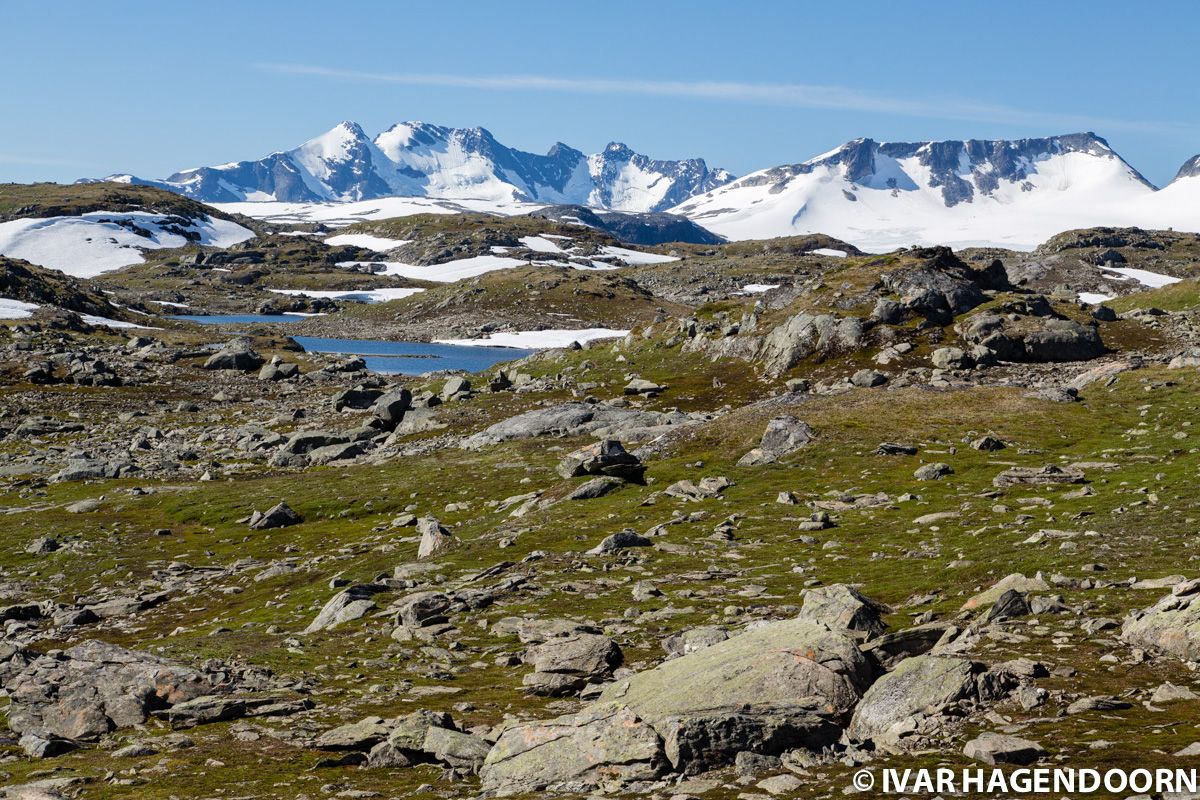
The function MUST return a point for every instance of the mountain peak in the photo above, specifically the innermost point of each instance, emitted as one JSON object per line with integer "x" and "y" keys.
{"x": 1190, "y": 169}
{"x": 422, "y": 159}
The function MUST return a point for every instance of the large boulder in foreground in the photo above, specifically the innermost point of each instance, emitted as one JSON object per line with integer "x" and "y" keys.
{"x": 916, "y": 692}
{"x": 1171, "y": 626}
{"x": 96, "y": 687}
{"x": 574, "y": 753}
{"x": 779, "y": 686}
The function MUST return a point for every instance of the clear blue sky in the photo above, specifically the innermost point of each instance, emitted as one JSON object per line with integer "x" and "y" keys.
{"x": 153, "y": 86}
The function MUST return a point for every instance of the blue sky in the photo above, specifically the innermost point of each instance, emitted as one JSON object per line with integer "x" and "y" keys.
{"x": 151, "y": 87}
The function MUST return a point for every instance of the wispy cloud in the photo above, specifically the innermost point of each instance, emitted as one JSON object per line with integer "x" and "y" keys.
{"x": 790, "y": 95}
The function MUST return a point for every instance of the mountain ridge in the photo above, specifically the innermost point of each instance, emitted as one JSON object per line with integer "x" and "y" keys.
{"x": 422, "y": 159}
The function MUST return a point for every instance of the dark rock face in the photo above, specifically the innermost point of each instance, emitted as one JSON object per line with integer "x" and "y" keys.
{"x": 643, "y": 228}
{"x": 943, "y": 286}
{"x": 1190, "y": 169}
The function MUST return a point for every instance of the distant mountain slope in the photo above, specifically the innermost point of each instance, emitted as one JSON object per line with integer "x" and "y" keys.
{"x": 890, "y": 194}
{"x": 419, "y": 159}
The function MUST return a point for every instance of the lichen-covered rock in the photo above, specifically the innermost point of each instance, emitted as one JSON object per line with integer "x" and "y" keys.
{"x": 842, "y": 606}
{"x": 778, "y": 686}
{"x": 95, "y": 687}
{"x": 784, "y": 435}
{"x": 919, "y": 689}
{"x": 574, "y": 753}
{"x": 804, "y": 335}
{"x": 1170, "y": 626}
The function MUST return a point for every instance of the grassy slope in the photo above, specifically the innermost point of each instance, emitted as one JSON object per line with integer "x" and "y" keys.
{"x": 1139, "y": 522}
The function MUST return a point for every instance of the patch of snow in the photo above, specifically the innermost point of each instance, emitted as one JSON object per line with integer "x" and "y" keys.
{"x": 828, "y": 251}
{"x": 634, "y": 257}
{"x": 19, "y": 309}
{"x": 1094, "y": 298}
{"x": 759, "y": 288}
{"x": 16, "y": 309}
{"x": 98, "y": 242}
{"x": 379, "y": 244}
{"x": 92, "y": 319}
{"x": 448, "y": 272}
{"x": 538, "y": 340}
{"x": 1146, "y": 278}
{"x": 360, "y": 295}
{"x": 540, "y": 244}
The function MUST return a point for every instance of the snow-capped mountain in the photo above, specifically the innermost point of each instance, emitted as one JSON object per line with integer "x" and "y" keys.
{"x": 419, "y": 159}
{"x": 1190, "y": 169}
{"x": 882, "y": 195}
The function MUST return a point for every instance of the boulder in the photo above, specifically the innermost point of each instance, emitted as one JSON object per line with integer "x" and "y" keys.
{"x": 784, "y": 435}
{"x": 843, "y": 607}
{"x": 566, "y": 664}
{"x": 391, "y": 406}
{"x": 689, "y": 641}
{"x": 351, "y": 603}
{"x": 456, "y": 388}
{"x": 606, "y": 457}
{"x": 1039, "y": 476}
{"x": 998, "y": 748}
{"x": 1170, "y": 626}
{"x": 620, "y": 541}
{"x": 951, "y": 358}
{"x": 933, "y": 472}
{"x": 643, "y": 386}
{"x": 776, "y": 687}
{"x": 279, "y": 515}
{"x": 917, "y": 689}
{"x": 236, "y": 355}
{"x": 434, "y": 537}
{"x": 94, "y": 688}
{"x": 1015, "y": 582}
{"x": 804, "y": 335}
{"x": 574, "y": 753}
{"x": 596, "y": 487}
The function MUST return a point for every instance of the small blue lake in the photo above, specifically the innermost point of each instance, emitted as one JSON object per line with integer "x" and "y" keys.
{"x": 391, "y": 358}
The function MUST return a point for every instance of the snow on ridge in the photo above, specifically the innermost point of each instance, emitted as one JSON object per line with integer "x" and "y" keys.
{"x": 380, "y": 244}
{"x": 539, "y": 340}
{"x": 19, "y": 309}
{"x": 101, "y": 241}
{"x": 360, "y": 295}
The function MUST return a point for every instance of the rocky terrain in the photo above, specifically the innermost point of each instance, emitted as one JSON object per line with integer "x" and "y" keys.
{"x": 817, "y": 510}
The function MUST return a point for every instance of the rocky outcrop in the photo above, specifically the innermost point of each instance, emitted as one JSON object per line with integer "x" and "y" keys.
{"x": 571, "y": 419}
{"x": 784, "y": 435}
{"x": 95, "y": 687}
{"x": 1170, "y": 626}
{"x": 805, "y": 335}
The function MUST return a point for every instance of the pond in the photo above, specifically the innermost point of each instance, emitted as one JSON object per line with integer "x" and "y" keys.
{"x": 413, "y": 358}
{"x": 390, "y": 358}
